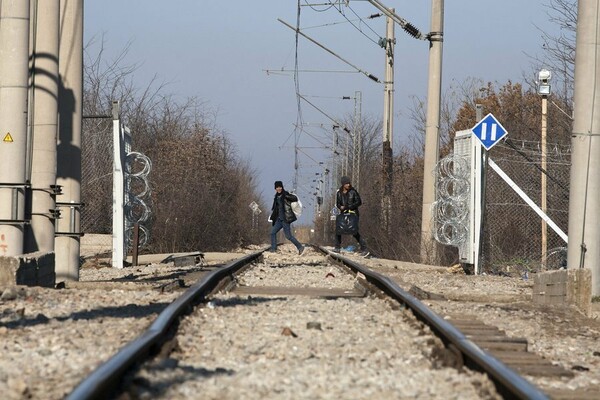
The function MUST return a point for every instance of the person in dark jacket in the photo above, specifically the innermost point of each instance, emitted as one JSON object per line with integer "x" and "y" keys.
{"x": 347, "y": 200}
{"x": 282, "y": 216}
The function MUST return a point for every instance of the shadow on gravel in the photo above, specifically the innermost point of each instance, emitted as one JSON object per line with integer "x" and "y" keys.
{"x": 169, "y": 374}
{"x": 128, "y": 311}
{"x": 149, "y": 278}
{"x": 249, "y": 301}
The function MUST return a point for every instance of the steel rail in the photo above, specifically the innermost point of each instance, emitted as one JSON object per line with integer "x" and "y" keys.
{"x": 108, "y": 376}
{"x": 509, "y": 384}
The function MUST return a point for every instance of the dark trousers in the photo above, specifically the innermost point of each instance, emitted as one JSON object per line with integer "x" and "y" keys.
{"x": 338, "y": 241}
{"x": 279, "y": 224}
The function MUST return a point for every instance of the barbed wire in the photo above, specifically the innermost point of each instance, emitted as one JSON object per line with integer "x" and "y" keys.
{"x": 137, "y": 170}
{"x": 451, "y": 209}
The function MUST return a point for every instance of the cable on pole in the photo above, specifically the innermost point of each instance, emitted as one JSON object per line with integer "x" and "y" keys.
{"x": 404, "y": 24}
{"x": 297, "y": 30}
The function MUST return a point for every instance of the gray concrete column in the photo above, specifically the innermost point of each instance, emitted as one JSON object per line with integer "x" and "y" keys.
{"x": 432, "y": 132}
{"x": 40, "y": 236}
{"x": 388, "y": 126}
{"x": 584, "y": 198}
{"x": 14, "y": 78}
{"x": 69, "y": 138}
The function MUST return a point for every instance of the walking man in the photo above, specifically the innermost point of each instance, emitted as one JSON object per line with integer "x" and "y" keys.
{"x": 347, "y": 200}
{"x": 282, "y": 216}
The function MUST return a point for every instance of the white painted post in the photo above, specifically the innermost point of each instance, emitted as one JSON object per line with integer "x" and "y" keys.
{"x": 118, "y": 221}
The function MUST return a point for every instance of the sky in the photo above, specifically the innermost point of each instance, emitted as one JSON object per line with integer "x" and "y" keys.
{"x": 239, "y": 58}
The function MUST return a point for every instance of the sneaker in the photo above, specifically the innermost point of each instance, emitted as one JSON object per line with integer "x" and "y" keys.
{"x": 364, "y": 253}
{"x": 301, "y": 250}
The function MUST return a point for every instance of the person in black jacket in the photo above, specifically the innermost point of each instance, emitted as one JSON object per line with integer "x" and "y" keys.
{"x": 347, "y": 200}
{"x": 282, "y": 216}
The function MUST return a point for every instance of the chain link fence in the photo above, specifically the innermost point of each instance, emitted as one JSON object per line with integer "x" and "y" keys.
{"x": 512, "y": 235}
{"x": 512, "y": 231}
{"x": 97, "y": 189}
{"x": 97, "y": 183}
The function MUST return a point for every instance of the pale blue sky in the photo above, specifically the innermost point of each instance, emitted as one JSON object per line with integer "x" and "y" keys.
{"x": 218, "y": 50}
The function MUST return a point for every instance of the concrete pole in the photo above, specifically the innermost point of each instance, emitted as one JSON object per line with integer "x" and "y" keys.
{"x": 432, "y": 134}
{"x": 388, "y": 125}
{"x": 14, "y": 79}
{"x": 69, "y": 141}
{"x": 544, "y": 204}
{"x": 335, "y": 174}
{"x": 357, "y": 139}
{"x": 346, "y": 160}
{"x": 40, "y": 237}
{"x": 584, "y": 199}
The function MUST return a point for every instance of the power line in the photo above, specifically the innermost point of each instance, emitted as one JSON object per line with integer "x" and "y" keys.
{"x": 357, "y": 28}
{"x": 286, "y": 71}
{"x": 368, "y": 75}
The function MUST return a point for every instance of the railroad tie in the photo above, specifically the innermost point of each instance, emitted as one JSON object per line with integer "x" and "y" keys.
{"x": 511, "y": 351}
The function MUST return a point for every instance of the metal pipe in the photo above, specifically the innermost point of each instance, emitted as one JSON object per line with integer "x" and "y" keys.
{"x": 15, "y": 204}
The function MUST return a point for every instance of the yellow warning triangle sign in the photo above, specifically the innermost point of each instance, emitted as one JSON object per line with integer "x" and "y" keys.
{"x": 8, "y": 138}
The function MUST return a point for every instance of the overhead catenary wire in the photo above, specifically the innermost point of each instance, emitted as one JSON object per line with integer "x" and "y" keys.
{"x": 404, "y": 24}
{"x": 286, "y": 71}
{"x": 298, "y": 102}
{"x": 316, "y": 139}
{"x": 297, "y": 131}
{"x": 298, "y": 32}
{"x": 361, "y": 20}
{"x": 344, "y": 22}
{"x": 325, "y": 114}
{"x": 327, "y": 5}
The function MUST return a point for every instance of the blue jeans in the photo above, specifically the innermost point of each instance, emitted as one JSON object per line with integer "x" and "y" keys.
{"x": 286, "y": 230}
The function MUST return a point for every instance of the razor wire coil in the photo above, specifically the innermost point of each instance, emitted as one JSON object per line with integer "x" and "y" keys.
{"x": 137, "y": 211}
{"x": 451, "y": 209}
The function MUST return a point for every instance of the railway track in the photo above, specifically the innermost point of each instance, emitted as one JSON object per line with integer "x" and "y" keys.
{"x": 271, "y": 326}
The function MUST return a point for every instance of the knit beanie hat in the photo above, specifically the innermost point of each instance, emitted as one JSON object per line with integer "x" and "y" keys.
{"x": 278, "y": 184}
{"x": 345, "y": 180}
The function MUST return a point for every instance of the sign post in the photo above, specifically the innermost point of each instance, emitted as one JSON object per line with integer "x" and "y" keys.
{"x": 489, "y": 131}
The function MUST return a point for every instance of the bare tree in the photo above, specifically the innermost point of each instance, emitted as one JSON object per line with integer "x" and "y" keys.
{"x": 559, "y": 48}
{"x": 200, "y": 187}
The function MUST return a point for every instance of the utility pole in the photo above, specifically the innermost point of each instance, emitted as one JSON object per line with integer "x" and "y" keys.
{"x": 584, "y": 199}
{"x": 388, "y": 124}
{"x": 14, "y": 79}
{"x": 544, "y": 89}
{"x": 357, "y": 139}
{"x": 346, "y": 159}
{"x": 68, "y": 173}
{"x": 543, "y": 182}
{"x": 44, "y": 125}
{"x": 335, "y": 174}
{"x": 432, "y": 131}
